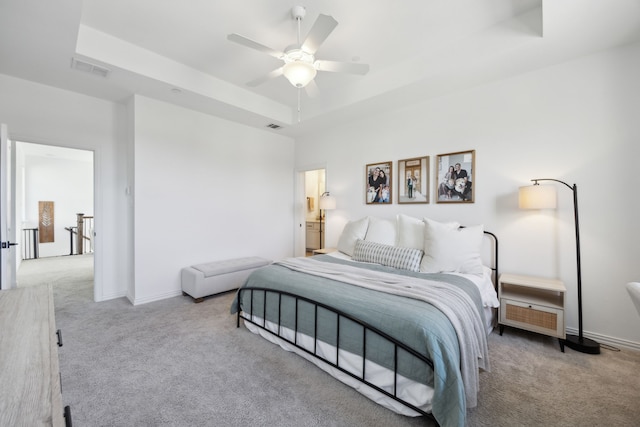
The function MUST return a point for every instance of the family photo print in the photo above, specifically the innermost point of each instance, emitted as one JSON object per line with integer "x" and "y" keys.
{"x": 378, "y": 183}
{"x": 455, "y": 177}
{"x": 413, "y": 180}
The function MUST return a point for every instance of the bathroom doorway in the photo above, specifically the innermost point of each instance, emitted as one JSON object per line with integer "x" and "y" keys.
{"x": 310, "y": 185}
{"x": 315, "y": 186}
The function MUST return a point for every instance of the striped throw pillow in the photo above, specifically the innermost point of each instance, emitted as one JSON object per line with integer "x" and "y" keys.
{"x": 391, "y": 256}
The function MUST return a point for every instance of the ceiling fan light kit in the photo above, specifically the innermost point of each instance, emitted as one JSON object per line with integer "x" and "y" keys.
{"x": 299, "y": 73}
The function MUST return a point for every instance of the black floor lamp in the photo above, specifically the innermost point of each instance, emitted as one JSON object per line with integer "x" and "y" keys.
{"x": 538, "y": 196}
{"x": 327, "y": 202}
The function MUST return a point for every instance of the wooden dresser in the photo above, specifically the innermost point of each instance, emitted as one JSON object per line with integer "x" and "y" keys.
{"x": 30, "y": 393}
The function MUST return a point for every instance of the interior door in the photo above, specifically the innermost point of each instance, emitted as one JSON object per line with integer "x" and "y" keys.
{"x": 7, "y": 212}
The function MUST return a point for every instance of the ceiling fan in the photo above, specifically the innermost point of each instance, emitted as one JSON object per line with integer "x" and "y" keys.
{"x": 300, "y": 65}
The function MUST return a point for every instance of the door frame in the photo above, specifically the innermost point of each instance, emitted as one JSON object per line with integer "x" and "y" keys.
{"x": 97, "y": 254}
{"x": 8, "y": 258}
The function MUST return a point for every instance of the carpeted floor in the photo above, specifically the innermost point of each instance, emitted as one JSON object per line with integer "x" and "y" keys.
{"x": 56, "y": 270}
{"x": 177, "y": 363}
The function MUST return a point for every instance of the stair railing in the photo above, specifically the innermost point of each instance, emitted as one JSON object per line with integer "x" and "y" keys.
{"x": 83, "y": 233}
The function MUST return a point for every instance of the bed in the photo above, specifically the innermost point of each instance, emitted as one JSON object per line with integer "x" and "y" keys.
{"x": 400, "y": 313}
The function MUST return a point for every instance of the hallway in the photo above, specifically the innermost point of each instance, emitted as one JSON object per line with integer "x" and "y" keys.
{"x": 56, "y": 270}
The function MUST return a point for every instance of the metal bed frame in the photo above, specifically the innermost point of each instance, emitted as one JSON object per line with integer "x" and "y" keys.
{"x": 397, "y": 345}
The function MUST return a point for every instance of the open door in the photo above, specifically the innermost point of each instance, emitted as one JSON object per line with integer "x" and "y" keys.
{"x": 7, "y": 212}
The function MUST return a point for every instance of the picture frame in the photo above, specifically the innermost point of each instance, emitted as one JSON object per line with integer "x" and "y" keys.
{"x": 379, "y": 183}
{"x": 413, "y": 180}
{"x": 455, "y": 177}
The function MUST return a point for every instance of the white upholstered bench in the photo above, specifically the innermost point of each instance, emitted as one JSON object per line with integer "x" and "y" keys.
{"x": 199, "y": 281}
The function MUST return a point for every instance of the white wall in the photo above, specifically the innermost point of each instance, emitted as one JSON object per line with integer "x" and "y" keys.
{"x": 205, "y": 189}
{"x": 577, "y": 122}
{"x": 45, "y": 115}
{"x": 66, "y": 182}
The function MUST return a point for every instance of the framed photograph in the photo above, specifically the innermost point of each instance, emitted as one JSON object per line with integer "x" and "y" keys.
{"x": 378, "y": 188}
{"x": 455, "y": 177}
{"x": 413, "y": 180}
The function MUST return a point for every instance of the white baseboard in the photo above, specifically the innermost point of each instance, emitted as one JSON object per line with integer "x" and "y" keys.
{"x": 112, "y": 296}
{"x": 610, "y": 341}
{"x": 158, "y": 297}
{"x": 140, "y": 301}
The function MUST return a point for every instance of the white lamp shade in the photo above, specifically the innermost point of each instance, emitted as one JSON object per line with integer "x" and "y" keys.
{"x": 537, "y": 197}
{"x": 327, "y": 202}
{"x": 299, "y": 73}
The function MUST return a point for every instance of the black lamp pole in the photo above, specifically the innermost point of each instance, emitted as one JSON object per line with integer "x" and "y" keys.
{"x": 579, "y": 342}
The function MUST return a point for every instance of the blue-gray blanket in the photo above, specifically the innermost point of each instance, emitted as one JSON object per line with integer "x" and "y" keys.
{"x": 417, "y": 324}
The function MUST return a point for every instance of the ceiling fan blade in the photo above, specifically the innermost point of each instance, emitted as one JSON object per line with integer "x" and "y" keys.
{"x": 312, "y": 89}
{"x": 321, "y": 29}
{"x": 237, "y": 38}
{"x": 272, "y": 75}
{"x": 343, "y": 67}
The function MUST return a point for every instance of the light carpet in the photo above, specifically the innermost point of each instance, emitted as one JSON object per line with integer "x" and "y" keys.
{"x": 177, "y": 363}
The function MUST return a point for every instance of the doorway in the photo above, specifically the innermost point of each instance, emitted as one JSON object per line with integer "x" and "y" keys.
{"x": 314, "y": 185}
{"x": 310, "y": 184}
{"x": 54, "y": 188}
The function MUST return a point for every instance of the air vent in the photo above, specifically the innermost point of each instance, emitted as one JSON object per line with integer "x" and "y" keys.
{"x": 87, "y": 67}
{"x": 273, "y": 126}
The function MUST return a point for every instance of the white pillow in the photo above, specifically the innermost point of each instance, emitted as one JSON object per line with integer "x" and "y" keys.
{"x": 448, "y": 248}
{"x": 381, "y": 231}
{"x": 352, "y": 231}
{"x": 391, "y": 256}
{"x": 410, "y": 232}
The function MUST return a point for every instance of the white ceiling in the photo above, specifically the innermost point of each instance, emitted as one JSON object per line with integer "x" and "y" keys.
{"x": 52, "y": 152}
{"x": 416, "y": 49}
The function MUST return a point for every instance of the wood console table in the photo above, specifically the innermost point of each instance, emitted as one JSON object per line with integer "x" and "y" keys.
{"x": 30, "y": 392}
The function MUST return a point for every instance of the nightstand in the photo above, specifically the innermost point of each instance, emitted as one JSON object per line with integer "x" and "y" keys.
{"x": 323, "y": 251}
{"x": 533, "y": 304}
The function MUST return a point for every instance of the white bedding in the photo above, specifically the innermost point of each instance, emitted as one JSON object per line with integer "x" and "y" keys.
{"x": 485, "y": 286}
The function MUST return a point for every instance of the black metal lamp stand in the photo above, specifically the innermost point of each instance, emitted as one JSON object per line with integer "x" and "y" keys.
{"x": 576, "y": 342}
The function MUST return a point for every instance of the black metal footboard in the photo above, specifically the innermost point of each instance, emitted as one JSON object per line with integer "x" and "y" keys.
{"x": 397, "y": 346}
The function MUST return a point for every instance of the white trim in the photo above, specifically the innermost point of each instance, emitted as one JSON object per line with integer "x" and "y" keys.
{"x": 114, "y": 296}
{"x": 157, "y": 297}
{"x": 605, "y": 339}
{"x": 98, "y": 214}
{"x": 299, "y": 232}
{"x": 98, "y": 219}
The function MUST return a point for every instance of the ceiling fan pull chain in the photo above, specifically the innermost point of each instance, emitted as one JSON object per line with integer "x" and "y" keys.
{"x": 298, "y": 105}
